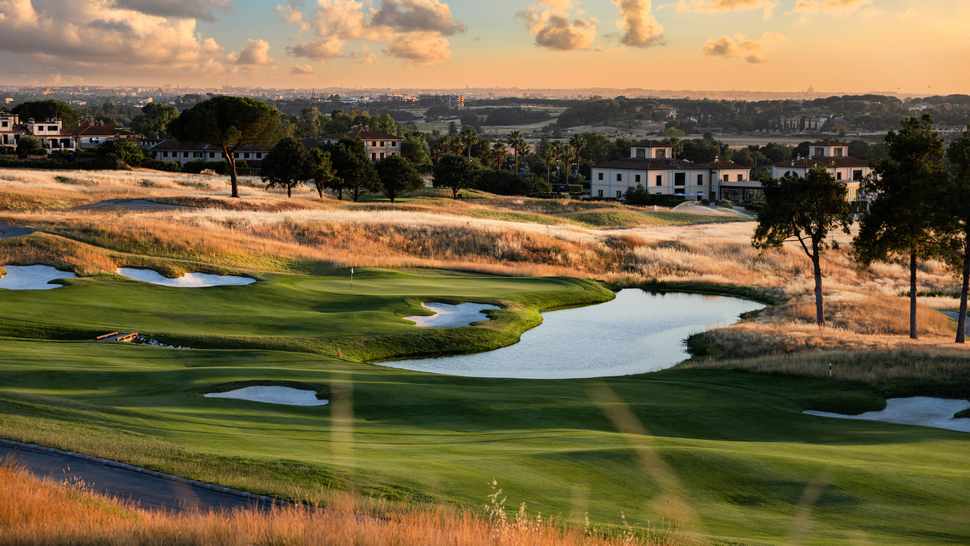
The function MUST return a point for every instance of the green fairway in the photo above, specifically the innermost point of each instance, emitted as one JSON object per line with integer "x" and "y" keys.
{"x": 732, "y": 448}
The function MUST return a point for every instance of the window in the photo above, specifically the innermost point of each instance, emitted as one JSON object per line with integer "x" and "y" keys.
{"x": 599, "y": 176}
{"x": 660, "y": 180}
{"x": 382, "y": 155}
{"x": 740, "y": 177}
{"x": 727, "y": 178}
{"x": 619, "y": 177}
{"x": 661, "y": 154}
{"x": 52, "y": 128}
{"x": 838, "y": 175}
{"x": 3, "y": 124}
{"x": 637, "y": 178}
{"x": 185, "y": 154}
{"x": 680, "y": 179}
{"x": 700, "y": 180}
{"x": 235, "y": 155}
{"x": 641, "y": 153}
{"x": 212, "y": 155}
{"x": 857, "y": 174}
{"x": 373, "y": 156}
{"x": 837, "y": 152}
{"x": 599, "y": 193}
{"x": 197, "y": 154}
{"x": 164, "y": 154}
{"x": 246, "y": 155}
{"x": 373, "y": 143}
{"x": 394, "y": 144}
{"x": 259, "y": 155}
{"x": 382, "y": 143}
{"x": 619, "y": 194}
{"x": 819, "y": 151}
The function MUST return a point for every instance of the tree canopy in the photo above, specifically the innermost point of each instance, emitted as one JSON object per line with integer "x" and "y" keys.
{"x": 227, "y": 122}
{"x": 806, "y": 210}
{"x": 958, "y": 199}
{"x": 398, "y": 176}
{"x": 454, "y": 171}
{"x": 355, "y": 170}
{"x": 287, "y": 165}
{"x": 154, "y": 119}
{"x": 42, "y": 110}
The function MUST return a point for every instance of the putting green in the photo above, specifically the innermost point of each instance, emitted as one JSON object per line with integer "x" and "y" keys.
{"x": 733, "y": 448}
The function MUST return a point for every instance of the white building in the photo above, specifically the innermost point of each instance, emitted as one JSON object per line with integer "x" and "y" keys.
{"x": 378, "y": 145}
{"x": 834, "y": 157}
{"x": 172, "y": 150}
{"x": 652, "y": 165}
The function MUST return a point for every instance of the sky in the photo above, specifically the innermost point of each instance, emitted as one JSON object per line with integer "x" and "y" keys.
{"x": 845, "y": 46}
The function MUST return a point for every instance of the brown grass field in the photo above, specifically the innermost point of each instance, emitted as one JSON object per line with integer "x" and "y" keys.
{"x": 621, "y": 245}
{"x": 43, "y": 512}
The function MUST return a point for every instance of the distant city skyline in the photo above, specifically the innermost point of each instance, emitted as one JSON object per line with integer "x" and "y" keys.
{"x": 845, "y": 46}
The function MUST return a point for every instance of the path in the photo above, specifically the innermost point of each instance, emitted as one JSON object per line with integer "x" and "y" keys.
{"x": 7, "y": 232}
{"x": 131, "y": 205}
{"x": 955, "y": 315}
{"x": 144, "y": 487}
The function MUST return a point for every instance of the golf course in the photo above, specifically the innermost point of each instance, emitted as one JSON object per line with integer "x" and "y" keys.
{"x": 718, "y": 446}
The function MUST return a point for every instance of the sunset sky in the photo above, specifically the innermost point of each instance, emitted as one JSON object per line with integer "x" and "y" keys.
{"x": 853, "y": 46}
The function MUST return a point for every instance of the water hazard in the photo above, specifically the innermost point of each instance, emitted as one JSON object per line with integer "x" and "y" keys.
{"x": 635, "y": 333}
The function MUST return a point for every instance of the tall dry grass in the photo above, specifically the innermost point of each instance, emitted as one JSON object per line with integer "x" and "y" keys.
{"x": 40, "y": 512}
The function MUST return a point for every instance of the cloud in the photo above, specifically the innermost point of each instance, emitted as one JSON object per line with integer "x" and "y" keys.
{"x": 828, "y": 7}
{"x": 255, "y": 53}
{"x": 640, "y": 28}
{"x": 302, "y": 70}
{"x": 553, "y": 29}
{"x": 417, "y": 16}
{"x": 870, "y": 12}
{"x": 412, "y": 30}
{"x": 741, "y": 46}
{"x": 364, "y": 56}
{"x": 909, "y": 14}
{"x": 101, "y": 34}
{"x": 721, "y": 6}
{"x": 182, "y": 9}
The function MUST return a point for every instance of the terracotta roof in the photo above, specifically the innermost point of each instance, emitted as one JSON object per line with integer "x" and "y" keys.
{"x": 651, "y": 144}
{"x": 829, "y": 143}
{"x": 101, "y": 130}
{"x": 833, "y": 162}
{"x": 643, "y": 164}
{"x": 362, "y": 134}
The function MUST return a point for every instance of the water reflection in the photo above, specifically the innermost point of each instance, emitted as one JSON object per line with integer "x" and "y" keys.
{"x": 636, "y": 332}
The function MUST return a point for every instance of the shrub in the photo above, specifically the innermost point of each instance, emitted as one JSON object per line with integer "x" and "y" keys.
{"x": 754, "y": 205}
{"x": 198, "y": 165}
{"x": 727, "y": 203}
{"x": 705, "y": 202}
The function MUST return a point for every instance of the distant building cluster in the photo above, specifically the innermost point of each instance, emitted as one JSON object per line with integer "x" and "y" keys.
{"x": 52, "y": 135}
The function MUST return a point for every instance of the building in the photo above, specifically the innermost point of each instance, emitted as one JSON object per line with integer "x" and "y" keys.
{"x": 90, "y": 133}
{"x": 378, "y": 145}
{"x": 50, "y": 132}
{"x": 172, "y": 150}
{"x": 653, "y": 166}
{"x": 834, "y": 157}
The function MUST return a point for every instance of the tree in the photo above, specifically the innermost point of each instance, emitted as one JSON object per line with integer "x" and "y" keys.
{"x": 499, "y": 150}
{"x": 111, "y": 152}
{"x": 42, "y": 110}
{"x": 455, "y": 172}
{"x": 958, "y": 199}
{"x": 468, "y": 138}
{"x": 804, "y": 210}
{"x": 906, "y": 219}
{"x": 287, "y": 165}
{"x": 154, "y": 119}
{"x": 229, "y": 123}
{"x": 30, "y": 145}
{"x": 578, "y": 142}
{"x": 416, "y": 150}
{"x": 398, "y": 176}
{"x": 323, "y": 174}
{"x": 517, "y": 144}
{"x": 356, "y": 171}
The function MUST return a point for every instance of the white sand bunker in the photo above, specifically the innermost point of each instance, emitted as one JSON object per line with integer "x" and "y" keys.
{"x": 189, "y": 280}
{"x": 918, "y": 410}
{"x": 32, "y": 277}
{"x": 273, "y": 395}
{"x": 452, "y": 316}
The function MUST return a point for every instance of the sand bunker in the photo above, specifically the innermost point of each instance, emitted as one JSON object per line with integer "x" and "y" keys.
{"x": 918, "y": 410}
{"x": 189, "y": 280}
{"x": 32, "y": 277}
{"x": 452, "y": 316}
{"x": 273, "y": 395}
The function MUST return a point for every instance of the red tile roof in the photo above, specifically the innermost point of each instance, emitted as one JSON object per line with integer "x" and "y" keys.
{"x": 830, "y": 162}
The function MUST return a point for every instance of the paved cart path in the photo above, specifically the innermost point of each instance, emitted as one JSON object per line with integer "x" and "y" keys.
{"x": 7, "y": 232}
{"x": 130, "y": 204}
{"x": 144, "y": 488}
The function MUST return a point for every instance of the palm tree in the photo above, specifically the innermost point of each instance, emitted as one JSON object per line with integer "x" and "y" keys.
{"x": 500, "y": 151}
{"x": 578, "y": 142}
{"x": 517, "y": 143}
{"x": 468, "y": 138}
{"x": 561, "y": 149}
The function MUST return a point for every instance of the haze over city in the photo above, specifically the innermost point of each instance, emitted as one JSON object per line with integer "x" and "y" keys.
{"x": 838, "y": 46}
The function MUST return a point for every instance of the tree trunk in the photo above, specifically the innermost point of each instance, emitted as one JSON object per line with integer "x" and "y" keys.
{"x": 289, "y": 191}
{"x": 962, "y": 319}
{"x": 232, "y": 172}
{"x": 912, "y": 296}
{"x": 819, "y": 315}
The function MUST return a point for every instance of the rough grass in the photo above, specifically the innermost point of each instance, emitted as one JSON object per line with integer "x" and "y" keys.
{"x": 35, "y": 511}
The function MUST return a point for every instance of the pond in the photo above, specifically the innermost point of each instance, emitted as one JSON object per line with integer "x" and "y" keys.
{"x": 635, "y": 333}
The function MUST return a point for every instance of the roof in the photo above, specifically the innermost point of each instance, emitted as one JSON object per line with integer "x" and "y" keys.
{"x": 362, "y": 134}
{"x": 643, "y": 164}
{"x": 828, "y": 143}
{"x": 101, "y": 130}
{"x": 832, "y": 162}
{"x": 651, "y": 144}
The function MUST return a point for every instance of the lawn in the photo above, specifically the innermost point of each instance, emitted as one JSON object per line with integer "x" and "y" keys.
{"x": 730, "y": 448}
